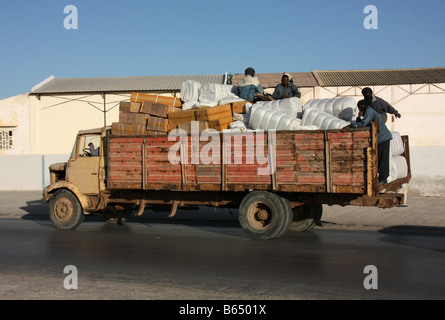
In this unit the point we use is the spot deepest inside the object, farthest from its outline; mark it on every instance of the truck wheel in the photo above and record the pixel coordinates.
(65, 210)
(288, 216)
(306, 216)
(264, 215)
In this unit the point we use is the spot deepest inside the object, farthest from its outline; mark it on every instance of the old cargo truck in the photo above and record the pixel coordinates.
(275, 179)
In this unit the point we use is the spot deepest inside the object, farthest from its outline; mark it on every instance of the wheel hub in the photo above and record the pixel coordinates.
(259, 215)
(64, 209)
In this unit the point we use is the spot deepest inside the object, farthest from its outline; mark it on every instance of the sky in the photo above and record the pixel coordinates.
(207, 37)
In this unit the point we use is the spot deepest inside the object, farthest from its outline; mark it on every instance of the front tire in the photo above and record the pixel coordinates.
(264, 215)
(65, 210)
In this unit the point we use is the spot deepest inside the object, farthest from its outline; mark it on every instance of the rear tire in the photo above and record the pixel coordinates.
(65, 211)
(264, 215)
(306, 216)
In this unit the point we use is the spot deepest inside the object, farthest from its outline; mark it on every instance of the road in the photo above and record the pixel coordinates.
(151, 259)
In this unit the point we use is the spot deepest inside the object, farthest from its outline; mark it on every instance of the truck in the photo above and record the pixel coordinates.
(278, 180)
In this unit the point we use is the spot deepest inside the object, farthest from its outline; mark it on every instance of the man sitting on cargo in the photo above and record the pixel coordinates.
(378, 104)
(286, 89)
(383, 138)
(249, 86)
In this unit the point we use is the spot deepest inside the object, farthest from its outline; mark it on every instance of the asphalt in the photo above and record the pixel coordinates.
(418, 212)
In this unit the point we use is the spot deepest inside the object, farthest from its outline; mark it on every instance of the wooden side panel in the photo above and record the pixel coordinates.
(295, 161)
(125, 163)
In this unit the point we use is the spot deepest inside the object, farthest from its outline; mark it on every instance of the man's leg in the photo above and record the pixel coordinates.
(384, 161)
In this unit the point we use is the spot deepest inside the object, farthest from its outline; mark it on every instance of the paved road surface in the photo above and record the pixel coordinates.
(200, 255)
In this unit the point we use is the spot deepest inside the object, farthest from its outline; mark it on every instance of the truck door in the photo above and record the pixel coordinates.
(83, 166)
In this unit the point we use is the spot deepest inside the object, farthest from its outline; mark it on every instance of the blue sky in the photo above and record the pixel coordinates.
(194, 37)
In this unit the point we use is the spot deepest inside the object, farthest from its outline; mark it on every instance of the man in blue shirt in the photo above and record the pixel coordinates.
(383, 138)
(249, 86)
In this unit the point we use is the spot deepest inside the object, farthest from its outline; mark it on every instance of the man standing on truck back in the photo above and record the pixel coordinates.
(378, 104)
(383, 139)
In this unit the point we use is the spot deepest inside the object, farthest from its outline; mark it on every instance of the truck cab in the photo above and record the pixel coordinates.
(75, 186)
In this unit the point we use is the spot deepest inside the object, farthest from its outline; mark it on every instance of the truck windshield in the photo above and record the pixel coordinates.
(89, 146)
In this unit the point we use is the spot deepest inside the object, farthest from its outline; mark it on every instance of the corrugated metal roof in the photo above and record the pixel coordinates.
(379, 77)
(270, 80)
(121, 84)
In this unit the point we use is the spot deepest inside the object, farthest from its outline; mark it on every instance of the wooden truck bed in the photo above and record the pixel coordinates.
(332, 162)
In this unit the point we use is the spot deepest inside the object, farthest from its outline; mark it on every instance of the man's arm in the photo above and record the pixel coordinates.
(368, 117)
(385, 106)
(295, 91)
(277, 92)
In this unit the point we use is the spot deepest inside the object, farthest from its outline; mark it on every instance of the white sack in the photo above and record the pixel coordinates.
(396, 144)
(206, 103)
(268, 119)
(229, 99)
(214, 92)
(189, 105)
(344, 108)
(289, 106)
(239, 125)
(190, 90)
(398, 168)
(323, 120)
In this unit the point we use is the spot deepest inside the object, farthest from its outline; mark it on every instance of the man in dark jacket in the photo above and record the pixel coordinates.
(378, 104)
(286, 89)
(383, 139)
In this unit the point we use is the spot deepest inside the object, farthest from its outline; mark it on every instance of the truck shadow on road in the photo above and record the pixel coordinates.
(422, 237)
(35, 210)
(224, 220)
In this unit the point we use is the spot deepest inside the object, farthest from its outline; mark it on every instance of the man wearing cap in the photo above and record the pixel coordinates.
(378, 104)
(249, 85)
(286, 89)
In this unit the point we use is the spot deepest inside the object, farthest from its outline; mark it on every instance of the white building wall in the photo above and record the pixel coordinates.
(27, 172)
(14, 125)
(59, 118)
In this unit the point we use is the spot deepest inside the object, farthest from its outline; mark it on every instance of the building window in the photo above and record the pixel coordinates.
(6, 139)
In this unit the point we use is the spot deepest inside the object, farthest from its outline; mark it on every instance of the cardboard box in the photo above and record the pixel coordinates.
(155, 109)
(214, 113)
(171, 109)
(141, 97)
(182, 116)
(120, 129)
(138, 130)
(220, 124)
(196, 126)
(157, 124)
(133, 118)
(239, 107)
(130, 107)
